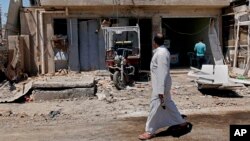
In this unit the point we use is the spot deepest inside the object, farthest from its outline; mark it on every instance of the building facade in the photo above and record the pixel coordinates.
(183, 22)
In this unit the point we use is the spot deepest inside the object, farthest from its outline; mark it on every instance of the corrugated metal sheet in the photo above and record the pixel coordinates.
(84, 50)
(93, 45)
(92, 51)
(73, 45)
(101, 46)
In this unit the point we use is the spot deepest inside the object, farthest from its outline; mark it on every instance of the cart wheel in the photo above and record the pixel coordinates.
(111, 77)
(119, 84)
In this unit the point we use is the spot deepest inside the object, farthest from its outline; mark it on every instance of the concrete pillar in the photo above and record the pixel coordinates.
(29, 27)
(12, 26)
(156, 21)
(49, 52)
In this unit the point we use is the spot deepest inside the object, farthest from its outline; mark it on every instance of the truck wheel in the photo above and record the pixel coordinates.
(119, 84)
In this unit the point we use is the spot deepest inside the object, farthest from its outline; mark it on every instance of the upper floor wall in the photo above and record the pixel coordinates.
(77, 3)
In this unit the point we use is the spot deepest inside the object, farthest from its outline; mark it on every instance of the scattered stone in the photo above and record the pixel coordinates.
(111, 100)
(6, 113)
(23, 115)
(220, 103)
(101, 96)
(35, 115)
(209, 96)
(53, 114)
(177, 87)
(91, 98)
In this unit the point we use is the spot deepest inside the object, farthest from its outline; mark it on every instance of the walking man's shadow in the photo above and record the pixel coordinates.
(175, 131)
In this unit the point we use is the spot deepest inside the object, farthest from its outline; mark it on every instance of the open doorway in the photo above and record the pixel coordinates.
(146, 40)
(59, 44)
(181, 35)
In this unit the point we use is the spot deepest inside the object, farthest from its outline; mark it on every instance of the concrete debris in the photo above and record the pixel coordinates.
(53, 114)
(101, 96)
(21, 89)
(61, 72)
(213, 76)
(77, 81)
(23, 115)
(5, 113)
(72, 86)
(66, 93)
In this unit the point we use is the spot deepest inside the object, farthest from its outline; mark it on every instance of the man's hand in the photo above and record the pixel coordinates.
(161, 97)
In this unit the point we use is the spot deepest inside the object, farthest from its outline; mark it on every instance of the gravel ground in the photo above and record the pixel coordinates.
(121, 115)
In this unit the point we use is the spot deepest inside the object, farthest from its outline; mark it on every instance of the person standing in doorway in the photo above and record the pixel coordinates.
(163, 111)
(200, 49)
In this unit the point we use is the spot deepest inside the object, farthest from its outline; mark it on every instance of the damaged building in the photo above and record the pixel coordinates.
(236, 36)
(67, 34)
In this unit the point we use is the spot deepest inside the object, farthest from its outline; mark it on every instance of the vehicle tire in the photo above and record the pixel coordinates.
(119, 84)
(111, 77)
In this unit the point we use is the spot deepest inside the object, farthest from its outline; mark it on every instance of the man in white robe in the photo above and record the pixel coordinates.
(163, 111)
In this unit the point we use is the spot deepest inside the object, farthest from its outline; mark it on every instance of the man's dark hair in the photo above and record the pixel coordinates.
(159, 39)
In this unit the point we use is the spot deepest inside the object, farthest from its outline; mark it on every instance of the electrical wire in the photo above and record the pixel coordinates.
(189, 34)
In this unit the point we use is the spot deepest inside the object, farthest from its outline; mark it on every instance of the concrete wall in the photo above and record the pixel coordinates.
(49, 52)
(212, 3)
(29, 27)
(12, 25)
(30, 23)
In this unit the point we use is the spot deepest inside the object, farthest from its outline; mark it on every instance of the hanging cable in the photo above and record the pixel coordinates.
(182, 33)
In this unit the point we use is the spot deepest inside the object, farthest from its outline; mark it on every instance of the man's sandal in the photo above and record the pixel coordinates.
(146, 136)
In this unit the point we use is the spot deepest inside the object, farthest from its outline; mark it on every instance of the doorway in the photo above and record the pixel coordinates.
(182, 34)
(59, 44)
(146, 40)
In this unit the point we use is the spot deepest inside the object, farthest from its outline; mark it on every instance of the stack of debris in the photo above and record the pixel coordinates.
(3, 61)
(214, 76)
(48, 88)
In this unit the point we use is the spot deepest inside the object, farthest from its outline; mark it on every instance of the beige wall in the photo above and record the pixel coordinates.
(29, 22)
(209, 3)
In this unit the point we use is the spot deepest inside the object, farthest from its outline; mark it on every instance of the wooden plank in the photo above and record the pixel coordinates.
(236, 45)
(248, 53)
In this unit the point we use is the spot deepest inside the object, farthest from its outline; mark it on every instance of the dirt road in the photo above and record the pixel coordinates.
(205, 127)
(121, 115)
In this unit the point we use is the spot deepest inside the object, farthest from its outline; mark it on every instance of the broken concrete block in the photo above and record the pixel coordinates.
(221, 74)
(207, 69)
(101, 96)
(43, 95)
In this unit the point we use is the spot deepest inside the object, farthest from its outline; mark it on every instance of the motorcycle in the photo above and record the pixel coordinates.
(122, 56)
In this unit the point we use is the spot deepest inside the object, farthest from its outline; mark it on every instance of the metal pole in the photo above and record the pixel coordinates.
(236, 44)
